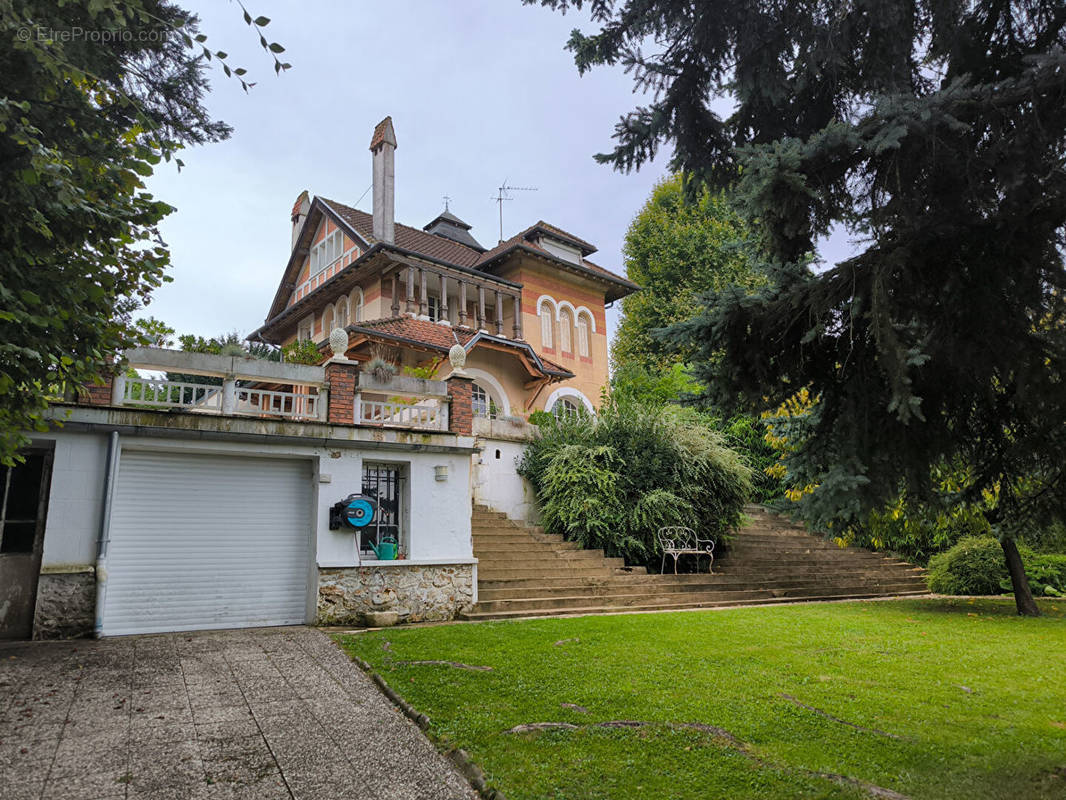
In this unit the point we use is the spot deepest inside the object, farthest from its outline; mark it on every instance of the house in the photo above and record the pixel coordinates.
(218, 495)
(530, 312)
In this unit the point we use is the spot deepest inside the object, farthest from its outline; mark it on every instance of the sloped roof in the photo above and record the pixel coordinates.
(407, 237)
(525, 240)
(440, 337)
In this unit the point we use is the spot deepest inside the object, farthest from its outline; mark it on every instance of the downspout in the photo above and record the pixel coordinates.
(105, 531)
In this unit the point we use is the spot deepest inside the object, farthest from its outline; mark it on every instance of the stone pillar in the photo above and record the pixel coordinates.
(423, 303)
(444, 297)
(499, 314)
(410, 290)
(462, 302)
(481, 308)
(342, 377)
(461, 413)
(395, 296)
(518, 316)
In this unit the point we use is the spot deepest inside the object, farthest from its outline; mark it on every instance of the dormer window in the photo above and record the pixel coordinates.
(327, 251)
(562, 251)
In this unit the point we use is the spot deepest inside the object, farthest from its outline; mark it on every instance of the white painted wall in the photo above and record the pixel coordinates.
(75, 499)
(438, 511)
(498, 485)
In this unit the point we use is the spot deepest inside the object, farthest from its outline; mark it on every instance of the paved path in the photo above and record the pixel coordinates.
(268, 713)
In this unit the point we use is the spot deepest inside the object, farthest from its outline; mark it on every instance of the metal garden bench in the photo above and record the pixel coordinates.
(677, 541)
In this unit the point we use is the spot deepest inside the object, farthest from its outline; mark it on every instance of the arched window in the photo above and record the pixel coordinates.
(567, 407)
(340, 313)
(327, 321)
(582, 329)
(482, 402)
(545, 314)
(355, 306)
(566, 324)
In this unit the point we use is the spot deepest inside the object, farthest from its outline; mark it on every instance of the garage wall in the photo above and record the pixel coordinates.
(75, 499)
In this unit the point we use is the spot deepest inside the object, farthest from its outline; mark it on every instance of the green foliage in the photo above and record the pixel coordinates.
(612, 480)
(932, 133)
(747, 435)
(676, 248)
(636, 382)
(541, 418)
(301, 352)
(975, 566)
(1046, 574)
(83, 122)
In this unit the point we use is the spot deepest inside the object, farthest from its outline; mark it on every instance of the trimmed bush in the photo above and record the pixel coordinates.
(612, 480)
(975, 565)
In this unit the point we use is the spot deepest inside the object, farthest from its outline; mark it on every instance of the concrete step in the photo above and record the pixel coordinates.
(607, 591)
(477, 615)
(644, 599)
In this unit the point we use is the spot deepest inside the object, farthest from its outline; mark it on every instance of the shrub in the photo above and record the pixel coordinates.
(975, 565)
(1046, 574)
(612, 480)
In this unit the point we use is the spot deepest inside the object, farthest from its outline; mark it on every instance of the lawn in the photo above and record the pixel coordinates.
(919, 698)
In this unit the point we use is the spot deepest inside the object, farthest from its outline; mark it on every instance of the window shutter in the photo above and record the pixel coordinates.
(564, 332)
(582, 337)
(545, 327)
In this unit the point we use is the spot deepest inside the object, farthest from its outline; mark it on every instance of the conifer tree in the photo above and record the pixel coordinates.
(934, 133)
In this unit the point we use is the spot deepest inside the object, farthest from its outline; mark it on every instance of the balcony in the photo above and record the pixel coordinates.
(198, 383)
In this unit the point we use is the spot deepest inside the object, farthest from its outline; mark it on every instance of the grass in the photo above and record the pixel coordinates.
(928, 698)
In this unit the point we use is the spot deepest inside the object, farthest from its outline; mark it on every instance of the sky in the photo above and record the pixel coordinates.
(479, 92)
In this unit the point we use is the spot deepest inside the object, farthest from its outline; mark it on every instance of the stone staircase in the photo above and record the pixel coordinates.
(524, 572)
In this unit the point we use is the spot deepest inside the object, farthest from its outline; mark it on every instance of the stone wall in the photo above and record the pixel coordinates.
(66, 605)
(413, 593)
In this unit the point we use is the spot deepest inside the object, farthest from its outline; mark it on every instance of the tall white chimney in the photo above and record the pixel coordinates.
(383, 148)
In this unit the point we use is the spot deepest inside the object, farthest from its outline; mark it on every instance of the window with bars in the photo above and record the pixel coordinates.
(385, 483)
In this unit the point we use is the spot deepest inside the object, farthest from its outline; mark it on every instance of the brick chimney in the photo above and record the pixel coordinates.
(299, 213)
(383, 148)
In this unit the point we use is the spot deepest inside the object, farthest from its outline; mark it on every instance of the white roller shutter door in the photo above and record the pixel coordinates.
(207, 541)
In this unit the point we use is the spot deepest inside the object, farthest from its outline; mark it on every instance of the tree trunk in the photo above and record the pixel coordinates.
(1023, 595)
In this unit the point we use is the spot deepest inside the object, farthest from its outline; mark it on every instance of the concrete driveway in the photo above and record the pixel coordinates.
(266, 713)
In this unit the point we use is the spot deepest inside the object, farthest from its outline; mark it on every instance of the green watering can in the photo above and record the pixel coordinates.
(386, 549)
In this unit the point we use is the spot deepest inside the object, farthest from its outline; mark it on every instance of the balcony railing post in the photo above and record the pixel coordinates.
(358, 412)
(229, 395)
(322, 403)
(118, 388)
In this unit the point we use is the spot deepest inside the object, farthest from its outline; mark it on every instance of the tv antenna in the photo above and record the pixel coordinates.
(501, 195)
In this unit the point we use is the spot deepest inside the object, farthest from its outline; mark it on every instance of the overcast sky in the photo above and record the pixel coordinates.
(479, 91)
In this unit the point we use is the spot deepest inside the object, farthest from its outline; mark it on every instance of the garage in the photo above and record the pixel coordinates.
(201, 541)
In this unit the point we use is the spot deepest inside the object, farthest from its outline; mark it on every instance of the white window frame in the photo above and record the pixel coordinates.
(433, 308)
(355, 306)
(326, 252)
(305, 330)
(341, 304)
(566, 406)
